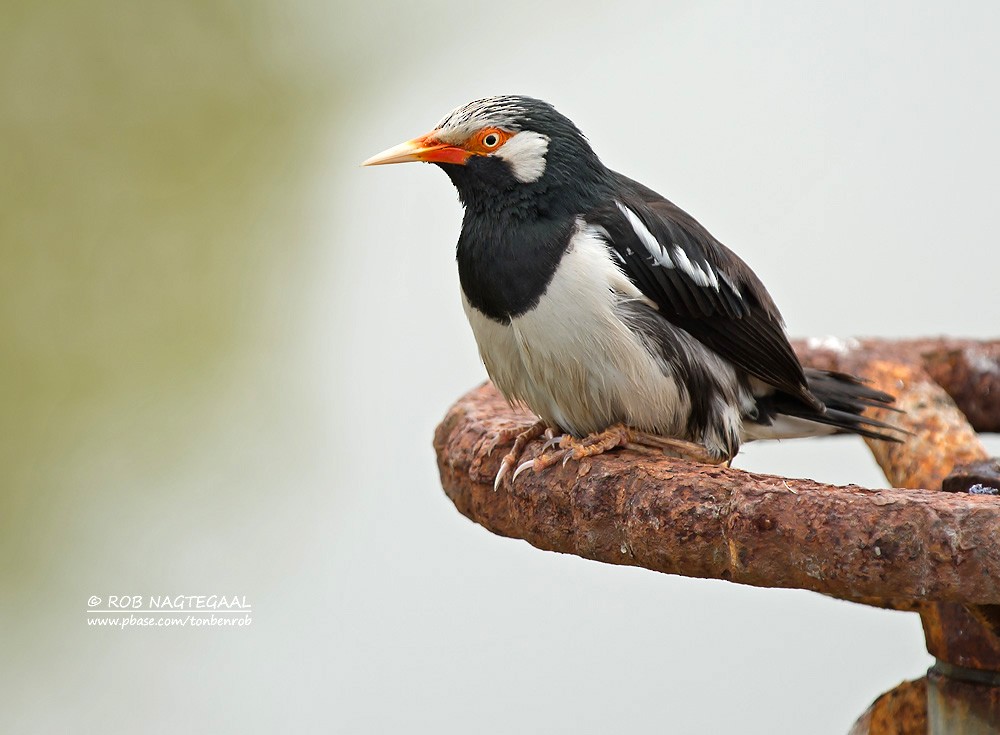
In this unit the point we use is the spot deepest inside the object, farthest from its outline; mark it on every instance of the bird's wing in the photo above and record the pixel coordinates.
(699, 285)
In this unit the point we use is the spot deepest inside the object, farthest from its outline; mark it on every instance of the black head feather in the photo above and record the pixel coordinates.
(572, 175)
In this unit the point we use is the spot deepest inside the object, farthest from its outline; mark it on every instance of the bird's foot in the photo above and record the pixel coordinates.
(572, 448)
(521, 437)
(681, 449)
(619, 435)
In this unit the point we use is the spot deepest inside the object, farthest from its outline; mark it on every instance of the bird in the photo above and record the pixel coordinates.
(611, 313)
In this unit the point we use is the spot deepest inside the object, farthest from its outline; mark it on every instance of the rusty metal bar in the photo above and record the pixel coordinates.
(893, 546)
(942, 450)
(911, 547)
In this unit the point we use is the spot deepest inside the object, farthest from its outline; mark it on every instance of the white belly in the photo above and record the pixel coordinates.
(573, 361)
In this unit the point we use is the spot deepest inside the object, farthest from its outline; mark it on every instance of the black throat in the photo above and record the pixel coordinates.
(514, 234)
(505, 263)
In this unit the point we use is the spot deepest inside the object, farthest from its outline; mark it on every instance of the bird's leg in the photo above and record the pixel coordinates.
(619, 435)
(521, 439)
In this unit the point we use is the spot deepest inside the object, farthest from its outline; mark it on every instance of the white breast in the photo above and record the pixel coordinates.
(572, 360)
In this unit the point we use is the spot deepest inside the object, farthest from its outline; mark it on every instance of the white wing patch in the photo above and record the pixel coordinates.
(732, 285)
(702, 276)
(657, 251)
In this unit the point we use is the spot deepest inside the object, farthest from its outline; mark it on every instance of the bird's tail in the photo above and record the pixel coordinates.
(845, 398)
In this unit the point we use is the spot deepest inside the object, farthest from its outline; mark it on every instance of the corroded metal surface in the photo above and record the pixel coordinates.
(911, 547)
(941, 450)
(900, 711)
(700, 521)
(957, 705)
(958, 634)
(940, 438)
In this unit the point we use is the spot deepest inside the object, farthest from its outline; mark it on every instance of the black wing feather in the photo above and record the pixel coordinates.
(732, 313)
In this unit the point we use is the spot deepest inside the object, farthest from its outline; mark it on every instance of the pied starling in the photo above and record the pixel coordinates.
(609, 311)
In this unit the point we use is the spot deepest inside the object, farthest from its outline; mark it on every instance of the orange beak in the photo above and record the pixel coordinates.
(427, 148)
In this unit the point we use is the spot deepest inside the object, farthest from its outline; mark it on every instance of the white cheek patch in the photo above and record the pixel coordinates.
(525, 154)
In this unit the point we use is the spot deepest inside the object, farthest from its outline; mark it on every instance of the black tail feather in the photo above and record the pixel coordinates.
(846, 398)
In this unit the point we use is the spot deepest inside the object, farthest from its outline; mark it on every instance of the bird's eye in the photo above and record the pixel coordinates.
(485, 141)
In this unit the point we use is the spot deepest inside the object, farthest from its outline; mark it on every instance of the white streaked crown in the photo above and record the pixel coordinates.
(524, 152)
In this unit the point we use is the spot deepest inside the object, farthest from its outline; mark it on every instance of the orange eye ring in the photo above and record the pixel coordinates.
(487, 140)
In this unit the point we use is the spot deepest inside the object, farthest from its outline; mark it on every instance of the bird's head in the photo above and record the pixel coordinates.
(504, 149)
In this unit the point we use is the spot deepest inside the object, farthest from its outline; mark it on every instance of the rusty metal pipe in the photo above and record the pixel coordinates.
(910, 547)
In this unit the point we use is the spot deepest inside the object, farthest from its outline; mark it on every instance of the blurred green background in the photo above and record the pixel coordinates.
(225, 347)
(155, 158)
(159, 247)
(156, 164)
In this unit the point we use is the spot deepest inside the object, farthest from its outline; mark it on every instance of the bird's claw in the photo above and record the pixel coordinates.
(521, 440)
(502, 472)
(551, 440)
(521, 468)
